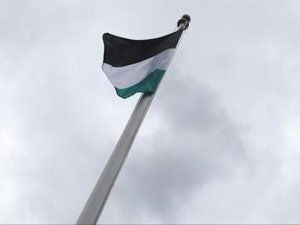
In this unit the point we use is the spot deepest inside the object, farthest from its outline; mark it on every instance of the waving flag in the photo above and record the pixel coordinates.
(137, 65)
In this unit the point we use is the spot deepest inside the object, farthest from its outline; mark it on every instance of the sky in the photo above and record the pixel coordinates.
(220, 142)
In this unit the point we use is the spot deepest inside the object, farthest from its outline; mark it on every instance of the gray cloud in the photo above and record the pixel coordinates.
(192, 146)
(219, 144)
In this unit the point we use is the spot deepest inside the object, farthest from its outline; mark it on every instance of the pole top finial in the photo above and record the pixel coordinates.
(187, 17)
(184, 21)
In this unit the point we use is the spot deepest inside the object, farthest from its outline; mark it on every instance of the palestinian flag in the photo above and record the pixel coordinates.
(137, 65)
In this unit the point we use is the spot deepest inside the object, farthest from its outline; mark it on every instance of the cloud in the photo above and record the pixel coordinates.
(196, 143)
(219, 143)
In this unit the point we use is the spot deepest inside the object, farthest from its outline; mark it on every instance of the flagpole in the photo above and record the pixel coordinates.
(100, 193)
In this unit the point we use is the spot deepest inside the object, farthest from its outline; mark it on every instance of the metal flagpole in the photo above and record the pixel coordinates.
(99, 195)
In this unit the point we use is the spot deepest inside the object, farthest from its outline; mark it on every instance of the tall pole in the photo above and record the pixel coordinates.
(100, 193)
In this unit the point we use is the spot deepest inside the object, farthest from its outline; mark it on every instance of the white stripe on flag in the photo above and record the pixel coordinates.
(127, 76)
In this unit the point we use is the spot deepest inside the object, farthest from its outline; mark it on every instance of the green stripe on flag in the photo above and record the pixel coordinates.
(148, 85)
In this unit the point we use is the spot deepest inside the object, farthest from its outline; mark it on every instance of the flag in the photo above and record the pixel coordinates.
(137, 65)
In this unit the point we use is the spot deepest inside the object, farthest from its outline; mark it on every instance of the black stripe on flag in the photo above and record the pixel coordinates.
(120, 51)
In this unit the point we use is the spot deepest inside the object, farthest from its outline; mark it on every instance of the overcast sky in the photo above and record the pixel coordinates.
(220, 143)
